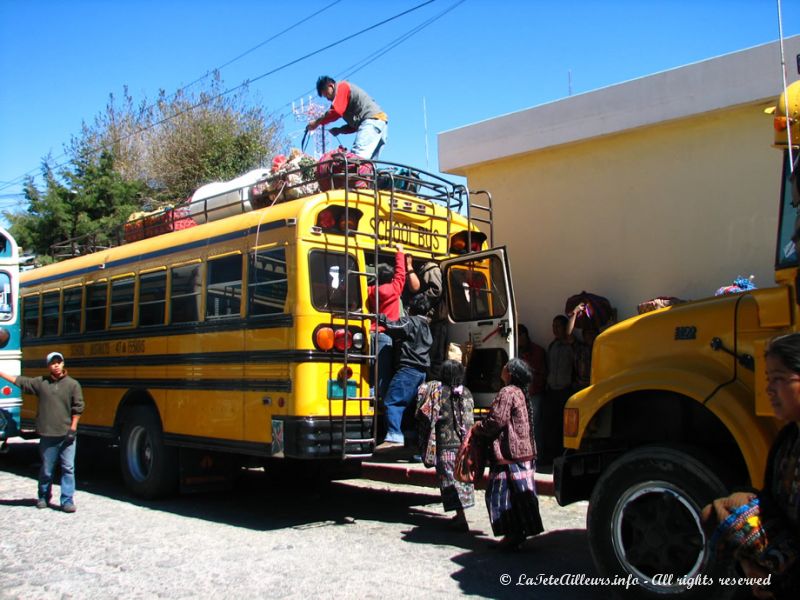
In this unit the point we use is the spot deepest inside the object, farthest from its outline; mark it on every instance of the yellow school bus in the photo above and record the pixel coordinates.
(677, 415)
(241, 329)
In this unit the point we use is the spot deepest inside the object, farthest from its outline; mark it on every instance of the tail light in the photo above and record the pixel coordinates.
(332, 337)
(464, 242)
(358, 340)
(335, 219)
(344, 374)
(326, 219)
(350, 223)
(342, 340)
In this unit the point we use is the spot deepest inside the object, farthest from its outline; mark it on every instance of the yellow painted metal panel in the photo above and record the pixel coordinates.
(213, 414)
(774, 307)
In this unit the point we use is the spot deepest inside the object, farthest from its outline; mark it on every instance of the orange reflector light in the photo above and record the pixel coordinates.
(345, 374)
(324, 338)
(780, 123)
(571, 421)
(457, 245)
(6, 390)
(351, 223)
(281, 402)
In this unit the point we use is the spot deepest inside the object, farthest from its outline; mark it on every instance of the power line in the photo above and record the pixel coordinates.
(356, 67)
(257, 46)
(399, 40)
(20, 178)
(233, 89)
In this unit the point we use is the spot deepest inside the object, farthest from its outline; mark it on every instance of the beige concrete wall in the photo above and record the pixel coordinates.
(675, 209)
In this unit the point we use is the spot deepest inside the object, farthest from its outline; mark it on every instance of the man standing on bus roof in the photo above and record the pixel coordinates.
(60, 408)
(361, 113)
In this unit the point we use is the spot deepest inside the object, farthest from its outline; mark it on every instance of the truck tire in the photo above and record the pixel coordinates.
(644, 522)
(149, 467)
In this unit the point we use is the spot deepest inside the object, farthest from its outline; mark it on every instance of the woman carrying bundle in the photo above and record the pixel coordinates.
(511, 491)
(444, 410)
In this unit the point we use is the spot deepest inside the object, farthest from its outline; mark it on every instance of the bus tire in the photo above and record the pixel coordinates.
(149, 466)
(644, 521)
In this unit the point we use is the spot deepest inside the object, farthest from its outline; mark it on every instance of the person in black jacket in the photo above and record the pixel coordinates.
(412, 336)
(60, 408)
(428, 281)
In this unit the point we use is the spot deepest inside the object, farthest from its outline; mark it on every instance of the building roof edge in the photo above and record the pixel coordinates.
(723, 82)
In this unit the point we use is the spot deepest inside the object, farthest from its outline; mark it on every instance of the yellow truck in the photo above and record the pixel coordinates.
(677, 414)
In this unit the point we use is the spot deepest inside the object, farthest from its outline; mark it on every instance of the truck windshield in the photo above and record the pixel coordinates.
(786, 255)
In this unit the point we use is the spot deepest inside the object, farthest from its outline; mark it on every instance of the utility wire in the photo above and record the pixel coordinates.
(20, 178)
(256, 47)
(235, 88)
(397, 41)
(356, 67)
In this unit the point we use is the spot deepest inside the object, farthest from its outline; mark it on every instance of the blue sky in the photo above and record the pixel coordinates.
(60, 60)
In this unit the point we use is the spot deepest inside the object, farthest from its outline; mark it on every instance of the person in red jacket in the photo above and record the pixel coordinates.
(390, 286)
(361, 113)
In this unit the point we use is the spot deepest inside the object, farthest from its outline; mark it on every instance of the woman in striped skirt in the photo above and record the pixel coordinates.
(511, 491)
(444, 410)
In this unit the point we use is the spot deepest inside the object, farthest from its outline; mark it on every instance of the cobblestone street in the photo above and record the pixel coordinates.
(355, 539)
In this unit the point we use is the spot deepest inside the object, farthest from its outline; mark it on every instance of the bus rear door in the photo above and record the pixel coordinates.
(481, 317)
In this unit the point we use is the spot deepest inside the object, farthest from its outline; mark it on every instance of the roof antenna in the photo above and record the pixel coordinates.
(785, 97)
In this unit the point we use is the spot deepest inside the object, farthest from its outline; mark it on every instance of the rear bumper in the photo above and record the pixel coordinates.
(318, 437)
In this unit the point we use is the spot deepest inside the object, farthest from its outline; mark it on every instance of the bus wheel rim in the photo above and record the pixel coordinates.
(139, 453)
(632, 521)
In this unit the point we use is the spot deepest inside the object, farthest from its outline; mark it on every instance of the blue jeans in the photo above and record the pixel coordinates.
(52, 449)
(370, 138)
(402, 391)
(383, 352)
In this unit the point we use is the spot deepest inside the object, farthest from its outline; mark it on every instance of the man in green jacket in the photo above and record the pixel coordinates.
(60, 408)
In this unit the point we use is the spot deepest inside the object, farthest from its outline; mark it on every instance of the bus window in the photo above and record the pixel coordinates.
(6, 307)
(478, 290)
(122, 301)
(327, 281)
(224, 287)
(152, 298)
(185, 307)
(50, 302)
(96, 307)
(30, 317)
(71, 313)
(267, 283)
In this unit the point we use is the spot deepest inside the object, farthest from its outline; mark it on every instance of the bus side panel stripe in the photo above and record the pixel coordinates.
(153, 360)
(247, 385)
(163, 252)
